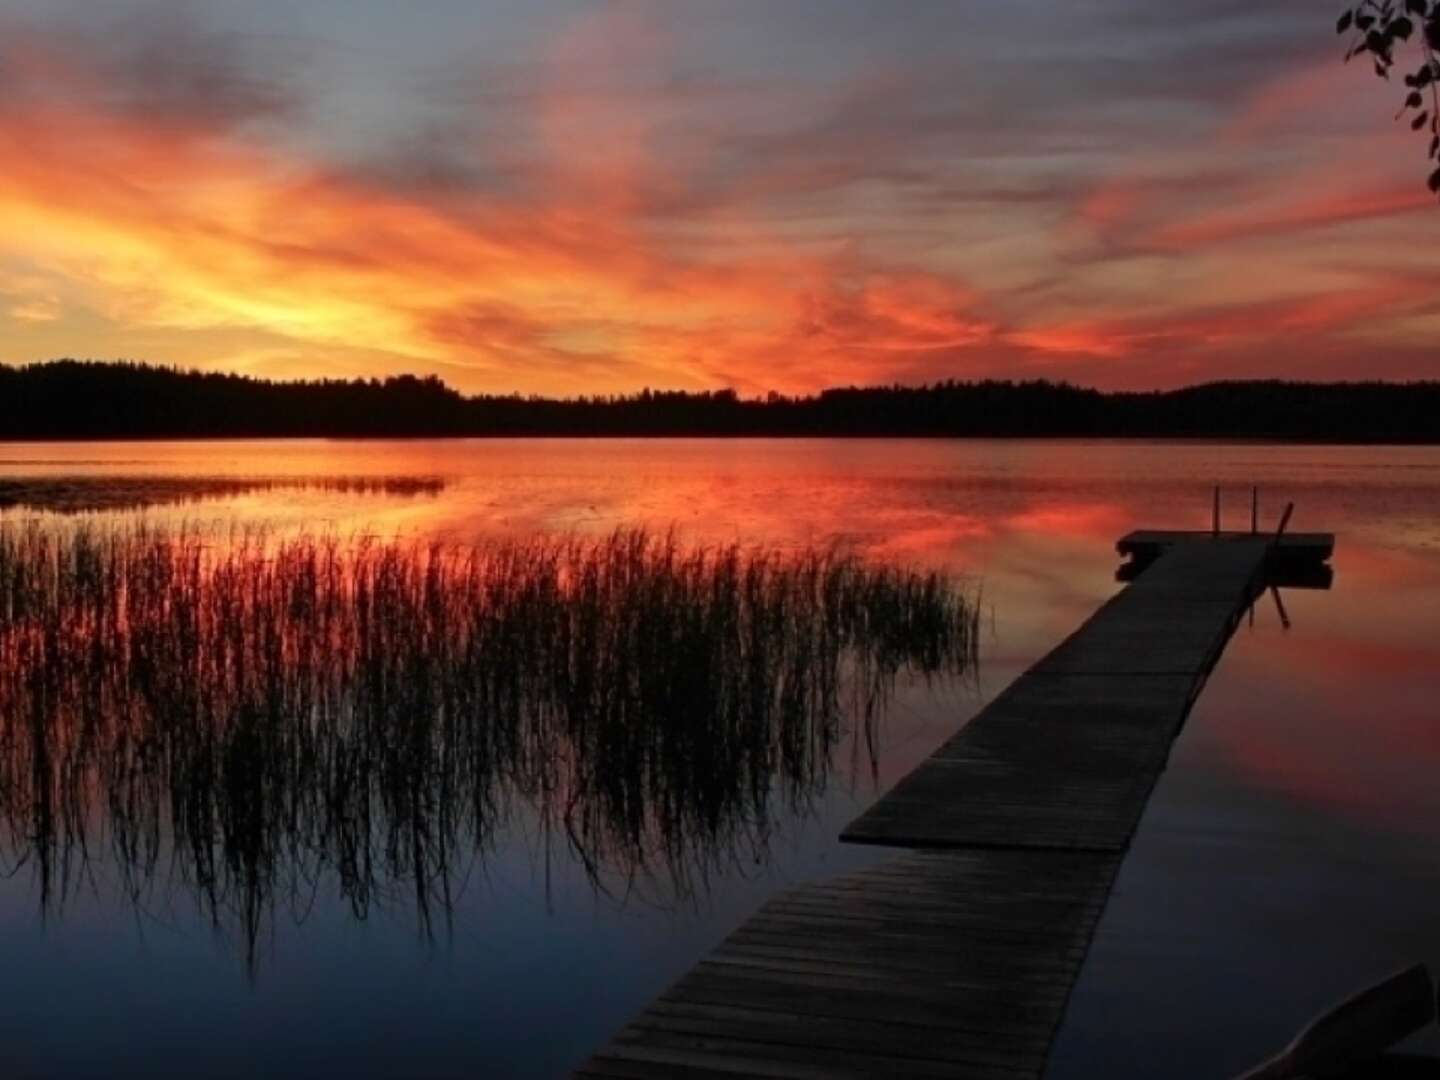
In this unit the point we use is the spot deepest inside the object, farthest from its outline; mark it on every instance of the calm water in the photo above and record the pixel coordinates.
(1288, 856)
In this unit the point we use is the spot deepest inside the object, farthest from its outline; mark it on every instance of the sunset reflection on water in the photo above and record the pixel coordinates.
(1306, 772)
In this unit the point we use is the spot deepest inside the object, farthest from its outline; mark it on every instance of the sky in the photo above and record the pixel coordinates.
(580, 196)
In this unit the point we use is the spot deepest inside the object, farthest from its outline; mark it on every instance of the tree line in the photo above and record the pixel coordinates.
(69, 399)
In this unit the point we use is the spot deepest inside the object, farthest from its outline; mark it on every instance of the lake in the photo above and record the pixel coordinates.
(1287, 858)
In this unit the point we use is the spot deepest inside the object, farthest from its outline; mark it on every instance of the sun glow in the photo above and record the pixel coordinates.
(593, 251)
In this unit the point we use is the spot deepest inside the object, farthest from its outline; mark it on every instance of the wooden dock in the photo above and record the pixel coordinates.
(1147, 544)
(957, 960)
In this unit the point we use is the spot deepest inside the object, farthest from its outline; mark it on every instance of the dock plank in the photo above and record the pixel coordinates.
(967, 977)
(957, 958)
(1077, 771)
(1314, 546)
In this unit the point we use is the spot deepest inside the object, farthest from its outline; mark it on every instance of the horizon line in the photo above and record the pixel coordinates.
(759, 398)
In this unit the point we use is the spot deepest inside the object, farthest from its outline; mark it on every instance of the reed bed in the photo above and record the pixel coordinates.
(97, 494)
(261, 717)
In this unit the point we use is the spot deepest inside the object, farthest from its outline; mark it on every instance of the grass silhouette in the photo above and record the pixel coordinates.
(97, 494)
(254, 716)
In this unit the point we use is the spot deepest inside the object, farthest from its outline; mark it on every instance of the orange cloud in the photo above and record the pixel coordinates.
(1291, 319)
(1087, 338)
(1184, 204)
(179, 228)
(1286, 213)
(169, 216)
(903, 313)
(1288, 99)
(1110, 203)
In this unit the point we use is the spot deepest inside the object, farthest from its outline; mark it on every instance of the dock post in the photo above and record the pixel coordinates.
(1284, 521)
(1254, 510)
(1215, 513)
(1280, 607)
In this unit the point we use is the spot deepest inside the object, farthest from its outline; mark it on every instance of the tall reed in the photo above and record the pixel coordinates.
(255, 715)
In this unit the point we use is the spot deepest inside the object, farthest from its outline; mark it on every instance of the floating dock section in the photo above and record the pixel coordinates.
(957, 959)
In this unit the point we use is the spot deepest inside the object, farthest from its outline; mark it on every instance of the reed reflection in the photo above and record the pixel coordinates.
(256, 718)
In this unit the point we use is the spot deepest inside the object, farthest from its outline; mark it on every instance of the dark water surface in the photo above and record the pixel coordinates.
(1288, 856)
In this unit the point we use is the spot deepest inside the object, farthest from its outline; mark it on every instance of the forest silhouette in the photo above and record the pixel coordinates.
(69, 399)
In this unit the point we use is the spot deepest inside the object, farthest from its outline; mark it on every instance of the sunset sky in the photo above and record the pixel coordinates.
(575, 196)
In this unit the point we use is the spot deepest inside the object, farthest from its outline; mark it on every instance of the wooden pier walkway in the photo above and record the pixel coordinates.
(957, 960)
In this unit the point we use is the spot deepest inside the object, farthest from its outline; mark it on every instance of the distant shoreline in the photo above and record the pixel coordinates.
(1159, 440)
(75, 401)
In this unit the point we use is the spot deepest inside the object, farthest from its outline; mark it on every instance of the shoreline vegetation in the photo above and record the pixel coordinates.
(104, 494)
(78, 400)
(247, 720)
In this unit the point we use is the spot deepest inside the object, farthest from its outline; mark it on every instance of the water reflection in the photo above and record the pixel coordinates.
(258, 718)
(1301, 862)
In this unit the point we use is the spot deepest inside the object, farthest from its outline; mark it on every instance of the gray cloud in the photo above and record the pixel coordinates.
(158, 66)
